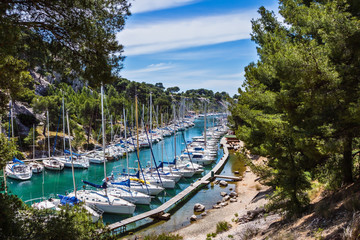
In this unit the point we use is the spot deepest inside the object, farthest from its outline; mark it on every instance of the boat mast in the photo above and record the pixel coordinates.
(71, 155)
(103, 129)
(34, 142)
(48, 132)
(63, 115)
(151, 159)
(205, 125)
(174, 135)
(12, 119)
(127, 157)
(137, 131)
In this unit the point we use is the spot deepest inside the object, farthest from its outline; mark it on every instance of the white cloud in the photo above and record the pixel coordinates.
(151, 68)
(139, 6)
(184, 33)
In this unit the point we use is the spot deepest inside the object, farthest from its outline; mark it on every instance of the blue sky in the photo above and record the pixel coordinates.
(190, 43)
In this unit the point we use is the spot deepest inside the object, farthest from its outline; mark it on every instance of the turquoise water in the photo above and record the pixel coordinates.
(51, 183)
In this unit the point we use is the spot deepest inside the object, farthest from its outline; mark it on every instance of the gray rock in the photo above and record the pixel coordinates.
(199, 207)
(203, 214)
(216, 206)
(223, 204)
(226, 198)
(230, 189)
(233, 194)
(233, 200)
(223, 183)
(223, 194)
(193, 218)
(236, 172)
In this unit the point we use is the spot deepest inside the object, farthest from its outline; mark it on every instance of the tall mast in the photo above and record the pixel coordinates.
(33, 141)
(127, 158)
(71, 155)
(63, 115)
(103, 127)
(205, 125)
(12, 119)
(111, 124)
(151, 159)
(48, 131)
(174, 136)
(137, 131)
(162, 143)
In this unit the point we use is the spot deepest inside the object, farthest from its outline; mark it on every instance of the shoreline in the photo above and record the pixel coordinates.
(247, 189)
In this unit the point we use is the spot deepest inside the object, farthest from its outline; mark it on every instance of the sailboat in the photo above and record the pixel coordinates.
(17, 169)
(133, 181)
(101, 198)
(35, 166)
(52, 163)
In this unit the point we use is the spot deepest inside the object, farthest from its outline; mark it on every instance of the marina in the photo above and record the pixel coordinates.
(44, 186)
(121, 226)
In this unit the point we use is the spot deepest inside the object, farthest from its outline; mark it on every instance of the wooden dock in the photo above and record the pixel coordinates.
(228, 177)
(120, 227)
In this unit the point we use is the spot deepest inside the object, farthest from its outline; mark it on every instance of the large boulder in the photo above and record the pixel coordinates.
(199, 207)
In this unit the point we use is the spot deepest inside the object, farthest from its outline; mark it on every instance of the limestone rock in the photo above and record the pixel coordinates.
(223, 194)
(203, 214)
(193, 218)
(199, 207)
(233, 194)
(223, 204)
(216, 207)
(236, 172)
(233, 200)
(223, 183)
(226, 198)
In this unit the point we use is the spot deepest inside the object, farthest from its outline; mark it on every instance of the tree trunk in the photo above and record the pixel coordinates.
(347, 163)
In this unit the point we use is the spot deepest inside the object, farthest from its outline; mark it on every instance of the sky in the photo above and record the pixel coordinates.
(190, 43)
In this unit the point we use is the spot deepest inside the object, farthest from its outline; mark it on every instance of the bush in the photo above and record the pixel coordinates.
(222, 226)
(163, 236)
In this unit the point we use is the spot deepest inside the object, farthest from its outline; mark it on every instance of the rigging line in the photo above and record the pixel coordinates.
(157, 170)
(57, 129)
(138, 157)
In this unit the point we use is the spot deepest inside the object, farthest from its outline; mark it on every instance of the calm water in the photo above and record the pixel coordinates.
(51, 183)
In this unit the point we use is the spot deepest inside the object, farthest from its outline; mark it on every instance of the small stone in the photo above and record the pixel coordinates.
(223, 183)
(218, 202)
(203, 214)
(193, 218)
(233, 194)
(223, 204)
(226, 198)
(230, 189)
(199, 207)
(236, 172)
(223, 194)
(233, 200)
(216, 207)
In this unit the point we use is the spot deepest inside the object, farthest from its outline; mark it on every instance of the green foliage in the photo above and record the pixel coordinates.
(163, 236)
(222, 226)
(300, 103)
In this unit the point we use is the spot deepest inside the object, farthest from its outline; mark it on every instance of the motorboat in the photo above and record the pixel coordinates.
(53, 164)
(18, 170)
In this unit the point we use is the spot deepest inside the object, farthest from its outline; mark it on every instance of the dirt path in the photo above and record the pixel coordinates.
(247, 190)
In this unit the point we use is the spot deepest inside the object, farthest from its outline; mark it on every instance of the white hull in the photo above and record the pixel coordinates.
(53, 165)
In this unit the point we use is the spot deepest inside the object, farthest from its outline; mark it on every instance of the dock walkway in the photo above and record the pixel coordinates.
(120, 227)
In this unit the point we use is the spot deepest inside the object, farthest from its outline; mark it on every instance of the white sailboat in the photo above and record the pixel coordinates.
(101, 198)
